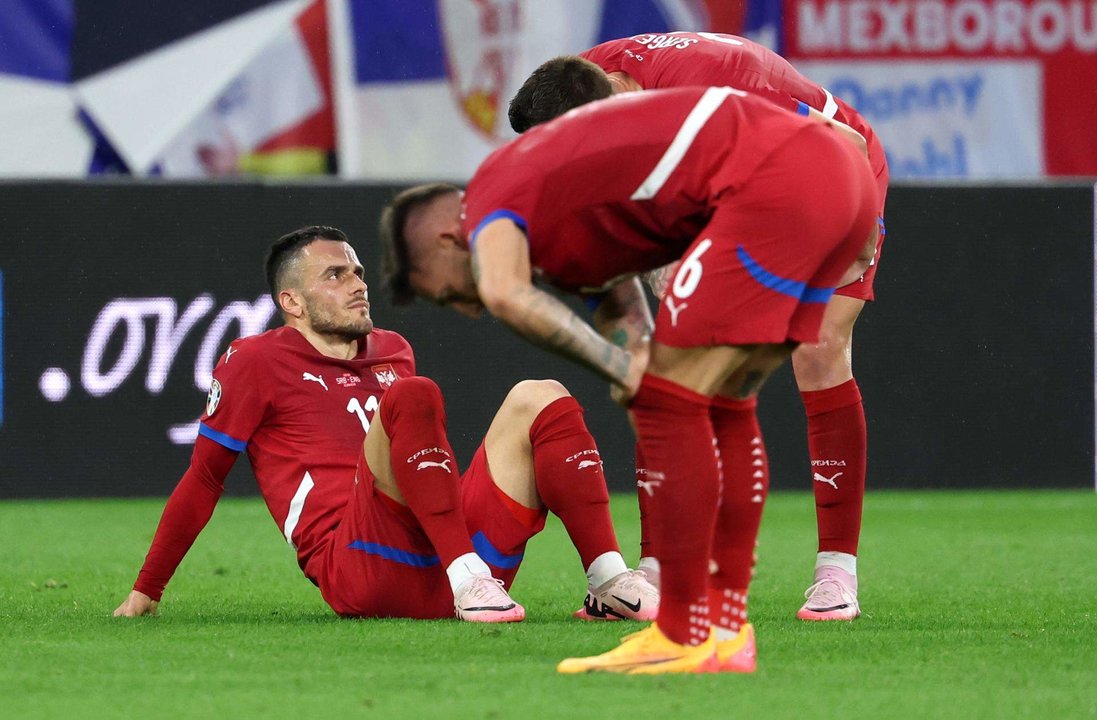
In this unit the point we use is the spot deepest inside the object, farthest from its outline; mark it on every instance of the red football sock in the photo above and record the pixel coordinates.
(423, 464)
(745, 485)
(837, 443)
(679, 449)
(728, 607)
(644, 492)
(570, 481)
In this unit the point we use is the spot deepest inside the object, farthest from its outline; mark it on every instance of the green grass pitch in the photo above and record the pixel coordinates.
(977, 605)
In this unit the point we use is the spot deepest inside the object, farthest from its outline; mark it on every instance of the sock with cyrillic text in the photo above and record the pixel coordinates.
(679, 450)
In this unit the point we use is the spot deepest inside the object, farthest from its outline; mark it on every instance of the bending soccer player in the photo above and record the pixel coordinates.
(837, 441)
(349, 449)
(767, 210)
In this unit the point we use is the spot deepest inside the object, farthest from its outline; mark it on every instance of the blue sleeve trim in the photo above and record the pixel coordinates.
(802, 108)
(222, 439)
(497, 215)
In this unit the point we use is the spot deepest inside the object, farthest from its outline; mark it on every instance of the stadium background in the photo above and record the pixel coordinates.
(148, 155)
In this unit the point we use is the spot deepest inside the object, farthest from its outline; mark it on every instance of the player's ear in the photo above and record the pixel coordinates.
(291, 303)
(451, 240)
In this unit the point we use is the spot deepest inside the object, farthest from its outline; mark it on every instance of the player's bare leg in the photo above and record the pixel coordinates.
(541, 455)
(413, 464)
(837, 445)
(671, 412)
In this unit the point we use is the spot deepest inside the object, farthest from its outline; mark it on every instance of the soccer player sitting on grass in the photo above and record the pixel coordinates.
(349, 449)
(768, 212)
(837, 440)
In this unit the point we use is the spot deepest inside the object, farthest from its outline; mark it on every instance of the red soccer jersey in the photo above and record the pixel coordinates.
(302, 416)
(658, 61)
(623, 185)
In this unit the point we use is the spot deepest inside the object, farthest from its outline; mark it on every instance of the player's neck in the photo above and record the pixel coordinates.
(623, 82)
(328, 344)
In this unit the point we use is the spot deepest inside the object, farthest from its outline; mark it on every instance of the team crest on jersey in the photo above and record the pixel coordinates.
(213, 399)
(481, 39)
(348, 380)
(385, 375)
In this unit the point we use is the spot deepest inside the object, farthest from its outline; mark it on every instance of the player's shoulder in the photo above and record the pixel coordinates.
(387, 342)
(608, 52)
(255, 348)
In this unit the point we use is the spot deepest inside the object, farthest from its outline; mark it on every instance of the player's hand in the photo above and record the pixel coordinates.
(136, 604)
(659, 279)
(638, 365)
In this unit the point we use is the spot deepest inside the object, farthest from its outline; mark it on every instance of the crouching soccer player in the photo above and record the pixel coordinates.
(837, 435)
(349, 449)
(768, 212)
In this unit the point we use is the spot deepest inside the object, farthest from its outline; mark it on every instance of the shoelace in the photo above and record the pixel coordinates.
(633, 582)
(820, 587)
(488, 590)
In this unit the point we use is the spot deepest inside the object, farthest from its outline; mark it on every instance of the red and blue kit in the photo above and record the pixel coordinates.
(302, 417)
(766, 208)
(667, 60)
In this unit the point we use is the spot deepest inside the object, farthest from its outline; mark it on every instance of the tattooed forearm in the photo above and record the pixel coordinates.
(624, 317)
(549, 323)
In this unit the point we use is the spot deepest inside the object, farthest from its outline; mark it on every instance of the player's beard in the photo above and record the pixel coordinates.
(327, 323)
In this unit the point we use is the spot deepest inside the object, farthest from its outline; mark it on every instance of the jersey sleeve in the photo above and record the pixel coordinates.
(188, 510)
(236, 404)
(488, 199)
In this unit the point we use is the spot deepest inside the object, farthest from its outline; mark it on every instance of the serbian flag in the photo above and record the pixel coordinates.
(423, 85)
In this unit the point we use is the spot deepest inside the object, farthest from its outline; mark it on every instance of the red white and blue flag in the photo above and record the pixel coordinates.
(423, 85)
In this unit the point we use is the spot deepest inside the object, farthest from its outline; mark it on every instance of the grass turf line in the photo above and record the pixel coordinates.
(977, 604)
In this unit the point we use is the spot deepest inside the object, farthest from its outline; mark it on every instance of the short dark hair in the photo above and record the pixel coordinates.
(395, 266)
(557, 86)
(287, 248)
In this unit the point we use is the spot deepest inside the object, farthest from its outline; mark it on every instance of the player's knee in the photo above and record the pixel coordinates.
(530, 397)
(815, 365)
(411, 397)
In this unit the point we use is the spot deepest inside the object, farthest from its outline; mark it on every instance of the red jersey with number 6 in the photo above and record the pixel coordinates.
(666, 60)
(623, 185)
(302, 417)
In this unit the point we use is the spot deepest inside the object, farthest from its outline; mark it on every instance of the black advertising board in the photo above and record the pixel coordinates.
(976, 362)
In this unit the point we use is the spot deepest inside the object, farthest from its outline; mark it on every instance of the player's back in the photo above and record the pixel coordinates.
(302, 416)
(623, 185)
(667, 60)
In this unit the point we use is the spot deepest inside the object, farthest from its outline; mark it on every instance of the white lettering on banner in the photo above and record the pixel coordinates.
(128, 315)
(253, 318)
(959, 118)
(932, 26)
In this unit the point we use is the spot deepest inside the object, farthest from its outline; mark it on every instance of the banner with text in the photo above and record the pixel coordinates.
(960, 88)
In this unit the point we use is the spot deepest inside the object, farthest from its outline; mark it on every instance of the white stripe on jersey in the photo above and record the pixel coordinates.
(831, 107)
(296, 505)
(698, 116)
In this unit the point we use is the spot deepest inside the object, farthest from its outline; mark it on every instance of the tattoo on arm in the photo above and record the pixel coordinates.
(624, 316)
(549, 323)
(751, 383)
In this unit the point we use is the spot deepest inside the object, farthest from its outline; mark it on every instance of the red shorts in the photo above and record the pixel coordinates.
(380, 563)
(766, 264)
(862, 288)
